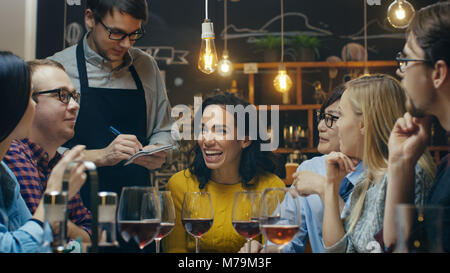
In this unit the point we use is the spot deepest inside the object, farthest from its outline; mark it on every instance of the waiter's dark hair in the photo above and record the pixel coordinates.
(136, 8)
(254, 162)
(15, 88)
(431, 28)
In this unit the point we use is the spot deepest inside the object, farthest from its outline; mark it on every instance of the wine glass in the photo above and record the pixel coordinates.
(167, 216)
(197, 214)
(139, 215)
(245, 214)
(277, 224)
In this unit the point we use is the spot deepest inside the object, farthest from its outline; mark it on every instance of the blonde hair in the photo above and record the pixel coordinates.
(380, 101)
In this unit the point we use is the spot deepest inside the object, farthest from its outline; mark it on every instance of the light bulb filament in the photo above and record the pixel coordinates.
(282, 81)
(225, 67)
(400, 13)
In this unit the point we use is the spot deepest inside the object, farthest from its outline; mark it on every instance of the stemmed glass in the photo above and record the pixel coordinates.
(167, 216)
(245, 214)
(278, 224)
(139, 215)
(197, 214)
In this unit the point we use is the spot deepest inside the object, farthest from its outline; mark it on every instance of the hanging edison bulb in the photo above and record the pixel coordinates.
(282, 81)
(225, 65)
(400, 13)
(207, 60)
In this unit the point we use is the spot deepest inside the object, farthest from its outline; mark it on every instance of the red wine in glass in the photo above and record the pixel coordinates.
(197, 214)
(197, 227)
(165, 229)
(143, 231)
(247, 229)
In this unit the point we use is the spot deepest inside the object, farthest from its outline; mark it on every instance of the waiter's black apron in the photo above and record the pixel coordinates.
(125, 110)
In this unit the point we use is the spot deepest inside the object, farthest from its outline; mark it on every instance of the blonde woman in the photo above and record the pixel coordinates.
(368, 110)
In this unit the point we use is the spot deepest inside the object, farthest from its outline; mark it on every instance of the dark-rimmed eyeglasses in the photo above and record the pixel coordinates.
(402, 62)
(64, 95)
(119, 35)
(329, 118)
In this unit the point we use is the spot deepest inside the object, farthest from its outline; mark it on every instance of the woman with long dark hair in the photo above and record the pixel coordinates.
(19, 230)
(223, 164)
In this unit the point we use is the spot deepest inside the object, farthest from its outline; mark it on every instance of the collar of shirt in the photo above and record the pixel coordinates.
(97, 60)
(353, 176)
(40, 156)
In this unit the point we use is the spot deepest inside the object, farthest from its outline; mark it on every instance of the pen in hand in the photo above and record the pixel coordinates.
(116, 132)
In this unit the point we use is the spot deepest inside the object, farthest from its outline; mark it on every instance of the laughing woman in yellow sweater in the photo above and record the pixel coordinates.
(223, 165)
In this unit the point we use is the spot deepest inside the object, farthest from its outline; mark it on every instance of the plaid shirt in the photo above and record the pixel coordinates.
(32, 167)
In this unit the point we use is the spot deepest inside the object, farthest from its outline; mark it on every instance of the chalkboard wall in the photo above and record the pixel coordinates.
(175, 27)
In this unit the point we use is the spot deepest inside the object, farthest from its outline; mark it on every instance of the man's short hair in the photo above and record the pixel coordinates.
(136, 8)
(431, 28)
(35, 64)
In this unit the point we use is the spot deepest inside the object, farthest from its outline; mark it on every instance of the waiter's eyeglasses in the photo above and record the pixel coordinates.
(119, 35)
(64, 95)
(329, 118)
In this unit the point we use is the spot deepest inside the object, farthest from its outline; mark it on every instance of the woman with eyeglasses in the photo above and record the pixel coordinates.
(368, 109)
(309, 181)
(20, 231)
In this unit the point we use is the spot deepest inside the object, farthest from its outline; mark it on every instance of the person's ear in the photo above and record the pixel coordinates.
(89, 19)
(246, 142)
(362, 129)
(440, 74)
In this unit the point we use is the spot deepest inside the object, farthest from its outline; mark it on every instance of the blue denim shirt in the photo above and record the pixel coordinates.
(18, 233)
(311, 209)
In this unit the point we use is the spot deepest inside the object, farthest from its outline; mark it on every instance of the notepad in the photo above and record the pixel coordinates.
(150, 151)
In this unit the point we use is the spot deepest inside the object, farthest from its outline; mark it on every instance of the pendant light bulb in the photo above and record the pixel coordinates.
(207, 60)
(225, 65)
(400, 13)
(282, 81)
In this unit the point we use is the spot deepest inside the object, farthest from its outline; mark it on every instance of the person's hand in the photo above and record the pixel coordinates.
(255, 247)
(151, 162)
(77, 174)
(307, 182)
(121, 148)
(408, 139)
(338, 165)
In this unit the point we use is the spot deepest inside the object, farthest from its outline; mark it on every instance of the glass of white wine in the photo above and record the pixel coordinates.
(277, 224)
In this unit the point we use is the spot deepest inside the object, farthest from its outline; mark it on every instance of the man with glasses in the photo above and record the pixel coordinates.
(121, 86)
(424, 70)
(309, 180)
(33, 159)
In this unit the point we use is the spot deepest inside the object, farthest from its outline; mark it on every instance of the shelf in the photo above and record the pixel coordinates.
(291, 150)
(321, 64)
(288, 107)
(439, 148)
(298, 103)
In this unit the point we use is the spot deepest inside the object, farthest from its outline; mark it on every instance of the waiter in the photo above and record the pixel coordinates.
(120, 86)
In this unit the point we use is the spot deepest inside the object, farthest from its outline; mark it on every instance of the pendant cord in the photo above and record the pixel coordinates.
(282, 31)
(65, 24)
(225, 23)
(366, 53)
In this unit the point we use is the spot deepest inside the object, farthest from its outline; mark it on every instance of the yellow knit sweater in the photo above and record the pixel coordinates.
(221, 237)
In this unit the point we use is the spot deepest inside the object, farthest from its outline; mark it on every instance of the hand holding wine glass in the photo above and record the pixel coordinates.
(167, 216)
(277, 224)
(197, 214)
(139, 215)
(245, 215)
